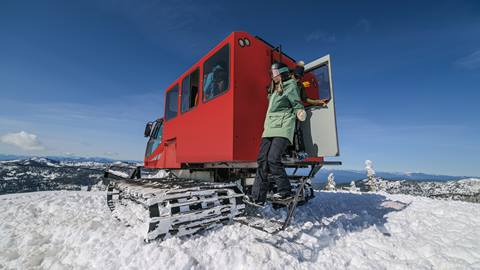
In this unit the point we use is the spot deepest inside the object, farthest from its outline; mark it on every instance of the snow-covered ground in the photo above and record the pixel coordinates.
(336, 230)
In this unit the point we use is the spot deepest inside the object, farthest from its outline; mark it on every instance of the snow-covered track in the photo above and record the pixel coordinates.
(177, 207)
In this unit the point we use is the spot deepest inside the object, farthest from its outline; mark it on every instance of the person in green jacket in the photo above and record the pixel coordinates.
(284, 106)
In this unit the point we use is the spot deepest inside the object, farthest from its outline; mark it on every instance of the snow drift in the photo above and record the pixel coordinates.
(74, 230)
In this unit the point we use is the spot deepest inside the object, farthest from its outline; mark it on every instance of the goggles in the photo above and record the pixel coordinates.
(276, 72)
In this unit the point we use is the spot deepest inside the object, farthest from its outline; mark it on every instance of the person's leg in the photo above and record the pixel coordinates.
(295, 137)
(260, 186)
(275, 164)
(299, 133)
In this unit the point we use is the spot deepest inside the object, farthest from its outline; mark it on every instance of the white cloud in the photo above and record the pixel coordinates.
(320, 35)
(471, 61)
(23, 140)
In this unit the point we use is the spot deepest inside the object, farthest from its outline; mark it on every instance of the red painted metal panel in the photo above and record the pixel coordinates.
(170, 160)
(250, 105)
(252, 75)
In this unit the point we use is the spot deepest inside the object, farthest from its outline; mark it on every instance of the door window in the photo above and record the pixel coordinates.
(190, 91)
(322, 76)
(171, 105)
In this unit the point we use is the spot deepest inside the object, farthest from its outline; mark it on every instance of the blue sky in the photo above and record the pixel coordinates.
(82, 78)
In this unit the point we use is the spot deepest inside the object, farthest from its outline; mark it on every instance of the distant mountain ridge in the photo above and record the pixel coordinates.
(40, 174)
(346, 176)
(341, 176)
(66, 158)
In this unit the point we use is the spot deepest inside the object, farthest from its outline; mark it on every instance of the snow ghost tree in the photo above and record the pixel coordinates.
(371, 175)
(353, 187)
(369, 168)
(330, 183)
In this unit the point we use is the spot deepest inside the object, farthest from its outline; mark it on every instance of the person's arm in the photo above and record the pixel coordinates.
(303, 93)
(321, 102)
(294, 99)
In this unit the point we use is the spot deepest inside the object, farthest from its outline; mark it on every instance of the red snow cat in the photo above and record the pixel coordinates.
(200, 159)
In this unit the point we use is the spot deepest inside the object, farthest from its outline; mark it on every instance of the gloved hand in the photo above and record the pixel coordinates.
(320, 102)
(301, 115)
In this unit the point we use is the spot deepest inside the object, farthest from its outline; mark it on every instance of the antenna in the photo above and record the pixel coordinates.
(280, 52)
(272, 57)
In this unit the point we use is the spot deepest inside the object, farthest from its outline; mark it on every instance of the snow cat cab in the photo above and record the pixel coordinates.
(207, 142)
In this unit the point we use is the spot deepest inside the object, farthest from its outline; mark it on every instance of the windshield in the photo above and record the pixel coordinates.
(155, 138)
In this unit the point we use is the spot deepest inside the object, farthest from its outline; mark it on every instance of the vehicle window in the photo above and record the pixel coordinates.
(323, 81)
(155, 139)
(157, 132)
(171, 105)
(190, 90)
(216, 73)
(153, 135)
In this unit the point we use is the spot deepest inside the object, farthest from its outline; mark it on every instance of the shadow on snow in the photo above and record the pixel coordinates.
(329, 217)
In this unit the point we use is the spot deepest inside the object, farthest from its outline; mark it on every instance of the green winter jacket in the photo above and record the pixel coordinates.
(281, 113)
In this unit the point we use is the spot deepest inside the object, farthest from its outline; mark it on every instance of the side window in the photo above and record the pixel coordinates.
(216, 75)
(155, 138)
(171, 105)
(323, 80)
(157, 132)
(190, 90)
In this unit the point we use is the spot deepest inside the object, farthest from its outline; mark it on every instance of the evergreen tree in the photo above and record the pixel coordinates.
(371, 175)
(353, 187)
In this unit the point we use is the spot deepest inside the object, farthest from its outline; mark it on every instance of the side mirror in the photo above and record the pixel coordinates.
(148, 129)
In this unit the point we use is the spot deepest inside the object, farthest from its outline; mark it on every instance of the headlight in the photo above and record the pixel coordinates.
(246, 41)
(241, 42)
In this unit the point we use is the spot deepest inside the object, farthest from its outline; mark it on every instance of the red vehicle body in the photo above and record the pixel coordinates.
(227, 128)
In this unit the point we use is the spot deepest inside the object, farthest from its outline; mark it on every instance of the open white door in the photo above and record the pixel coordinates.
(320, 128)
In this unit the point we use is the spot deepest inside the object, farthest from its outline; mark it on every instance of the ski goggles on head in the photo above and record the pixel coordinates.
(275, 72)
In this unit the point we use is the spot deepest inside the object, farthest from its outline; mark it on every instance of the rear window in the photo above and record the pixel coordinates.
(171, 105)
(216, 74)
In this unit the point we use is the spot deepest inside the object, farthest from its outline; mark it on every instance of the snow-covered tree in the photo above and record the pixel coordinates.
(353, 187)
(330, 182)
(371, 175)
(369, 168)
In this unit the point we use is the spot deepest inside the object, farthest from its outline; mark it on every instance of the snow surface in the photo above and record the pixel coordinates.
(336, 230)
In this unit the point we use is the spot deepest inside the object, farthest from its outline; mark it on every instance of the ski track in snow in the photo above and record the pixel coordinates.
(336, 230)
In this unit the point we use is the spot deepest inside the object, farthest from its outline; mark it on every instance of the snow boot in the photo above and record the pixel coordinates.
(250, 201)
(282, 197)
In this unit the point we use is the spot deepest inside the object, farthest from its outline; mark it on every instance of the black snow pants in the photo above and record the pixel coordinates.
(298, 138)
(270, 160)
